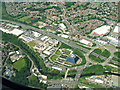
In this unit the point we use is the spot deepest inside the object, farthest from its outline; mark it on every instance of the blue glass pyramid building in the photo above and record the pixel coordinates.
(72, 59)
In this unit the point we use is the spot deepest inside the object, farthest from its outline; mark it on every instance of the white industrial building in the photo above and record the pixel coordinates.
(62, 26)
(26, 38)
(36, 34)
(102, 30)
(84, 41)
(14, 31)
(101, 42)
(46, 52)
(116, 29)
(43, 38)
(64, 36)
(15, 26)
(42, 76)
(98, 81)
(113, 41)
(57, 68)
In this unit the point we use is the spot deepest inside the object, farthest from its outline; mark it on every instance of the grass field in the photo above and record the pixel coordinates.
(25, 19)
(19, 64)
(66, 52)
(115, 59)
(53, 58)
(98, 51)
(95, 59)
(102, 52)
(32, 43)
(105, 53)
(58, 52)
(117, 54)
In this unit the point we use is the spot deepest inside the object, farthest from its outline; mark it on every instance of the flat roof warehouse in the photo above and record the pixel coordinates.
(101, 30)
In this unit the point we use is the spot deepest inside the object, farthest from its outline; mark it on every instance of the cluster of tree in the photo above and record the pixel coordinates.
(34, 81)
(72, 72)
(117, 54)
(97, 69)
(23, 73)
(69, 4)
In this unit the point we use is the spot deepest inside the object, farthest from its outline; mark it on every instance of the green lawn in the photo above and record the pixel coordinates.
(117, 54)
(25, 19)
(19, 64)
(32, 43)
(105, 53)
(54, 57)
(115, 59)
(67, 52)
(95, 59)
(97, 69)
(98, 51)
(101, 52)
(58, 52)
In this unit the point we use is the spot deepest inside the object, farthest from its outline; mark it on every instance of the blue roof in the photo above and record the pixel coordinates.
(70, 59)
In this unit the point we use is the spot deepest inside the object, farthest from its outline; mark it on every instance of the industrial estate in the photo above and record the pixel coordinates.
(55, 45)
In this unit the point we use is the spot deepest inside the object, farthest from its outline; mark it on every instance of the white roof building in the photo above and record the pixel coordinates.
(12, 25)
(112, 38)
(14, 31)
(57, 68)
(12, 53)
(43, 76)
(98, 81)
(86, 42)
(64, 36)
(36, 34)
(113, 41)
(17, 52)
(101, 30)
(43, 38)
(46, 52)
(102, 42)
(44, 81)
(116, 29)
(62, 25)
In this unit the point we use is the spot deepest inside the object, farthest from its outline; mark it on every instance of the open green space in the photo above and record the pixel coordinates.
(97, 69)
(111, 69)
(54, 57)
(66, 52)
(58, 52)
(34, 81)
(19, 64)
(117, 54)
(95, 59)
(28, 6)
(98, 51)
(106, 53)
(25, 19)
(115, 59)
(72, 72)
(32, 43)
(101, 52)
